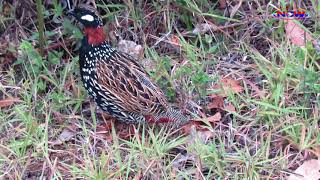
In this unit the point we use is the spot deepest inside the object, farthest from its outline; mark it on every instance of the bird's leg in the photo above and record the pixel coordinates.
(127, 131)
(123, 130)
(152, 120)
(108, 120)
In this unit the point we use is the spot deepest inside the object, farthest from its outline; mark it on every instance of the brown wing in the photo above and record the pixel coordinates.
(134, 91)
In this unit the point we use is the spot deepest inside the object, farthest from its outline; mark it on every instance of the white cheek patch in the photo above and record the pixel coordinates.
(87, 17)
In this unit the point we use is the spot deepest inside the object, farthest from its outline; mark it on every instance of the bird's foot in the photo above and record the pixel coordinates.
(152, 120)
(123, 130)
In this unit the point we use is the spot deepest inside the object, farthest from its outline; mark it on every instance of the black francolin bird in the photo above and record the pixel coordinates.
(116, 81)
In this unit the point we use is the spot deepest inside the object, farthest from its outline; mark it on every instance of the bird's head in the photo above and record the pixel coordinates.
(87, 16)
(93, 25)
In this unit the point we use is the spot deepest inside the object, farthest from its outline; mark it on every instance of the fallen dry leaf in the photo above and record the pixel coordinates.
(222, 4)
(175, 40)
(203, 28)
(131, 48)
(232, 84)
(203, 135)
(309, 170)
(228, 85)
(214, 118)
(197, 125)
(217, 102)
(64, 136)
(229, 107)
(259, 92)
(297, 35)
(9, 102)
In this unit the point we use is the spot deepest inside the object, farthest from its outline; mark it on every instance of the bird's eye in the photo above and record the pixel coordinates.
(87, 17)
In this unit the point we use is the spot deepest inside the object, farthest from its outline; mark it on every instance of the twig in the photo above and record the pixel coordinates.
(40, 27)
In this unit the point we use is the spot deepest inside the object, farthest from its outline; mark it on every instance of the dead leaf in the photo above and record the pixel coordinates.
(206, 135)
(222, 4)
(228, 85)
(9, 102)
(202, 135)
(6, 9)
(131, 48)
(65, 135)
(297, 35)
(175, 40)
(58, 117)
(217, 102)
(229, 107)
(214, 118)
(261, 93)
(232, 84)
(204, 27)
(309, 170)
(316, 150)
(196, 124)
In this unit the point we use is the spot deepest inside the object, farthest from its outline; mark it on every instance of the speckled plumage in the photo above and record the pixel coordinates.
(118, 83)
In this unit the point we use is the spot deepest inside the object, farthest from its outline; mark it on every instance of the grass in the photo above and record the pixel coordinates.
(273, 129)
